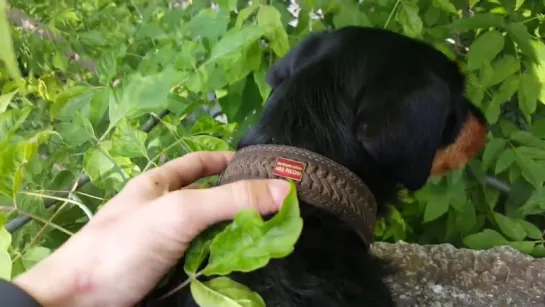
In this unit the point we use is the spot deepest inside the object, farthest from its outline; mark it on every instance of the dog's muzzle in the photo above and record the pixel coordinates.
(320, 182)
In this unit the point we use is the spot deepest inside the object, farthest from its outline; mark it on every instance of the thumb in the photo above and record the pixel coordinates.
(204, 207)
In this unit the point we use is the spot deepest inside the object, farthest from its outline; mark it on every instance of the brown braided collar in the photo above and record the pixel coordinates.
(320, 181)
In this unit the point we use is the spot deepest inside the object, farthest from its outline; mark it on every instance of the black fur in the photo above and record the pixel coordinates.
(377, 102)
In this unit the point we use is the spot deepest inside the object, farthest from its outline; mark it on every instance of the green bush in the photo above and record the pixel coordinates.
(110, 89)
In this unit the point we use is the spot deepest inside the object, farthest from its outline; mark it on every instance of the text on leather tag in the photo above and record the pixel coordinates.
(290, 169)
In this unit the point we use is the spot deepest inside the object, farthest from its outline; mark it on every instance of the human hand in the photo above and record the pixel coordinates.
(132, 242)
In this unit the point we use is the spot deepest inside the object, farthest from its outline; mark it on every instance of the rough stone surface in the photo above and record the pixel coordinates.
(443, 276)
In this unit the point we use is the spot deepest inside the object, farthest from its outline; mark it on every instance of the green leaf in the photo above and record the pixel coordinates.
(531, 230)
(436, 207)
(349, 14)
(507, 157)
(477, 21)
(11, 120)
(200, 248)
(484, 49)
(467, 218)
(208, 23)
(143, 95)
(228, 5)
(504, 67)
(510, 228)
(539, 251)
(222, 291)
(526, 138)
(206, 143)
(445, 5)
(248, 243)
(103, 169)
(7, 53)
(76, 132)
(485, 239)
(492, 151)
(34, 255)
(107, 67)
(525, 247)
(528, 93)
(521, 36)
(211, 126)
(63, 98)
(235, 41)
(270, 22)
(129, 141)
(5, 259)
(409, 19)
(5, 100)
(538, 128)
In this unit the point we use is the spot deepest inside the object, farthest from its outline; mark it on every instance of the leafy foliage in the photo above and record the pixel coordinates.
(111, 89)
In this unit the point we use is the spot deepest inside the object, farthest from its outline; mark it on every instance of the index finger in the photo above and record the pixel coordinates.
(178, 173)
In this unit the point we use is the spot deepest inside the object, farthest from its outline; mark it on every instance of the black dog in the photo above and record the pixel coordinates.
(389, 108)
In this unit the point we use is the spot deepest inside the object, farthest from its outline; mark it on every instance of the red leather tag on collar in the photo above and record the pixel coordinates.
(290, 169)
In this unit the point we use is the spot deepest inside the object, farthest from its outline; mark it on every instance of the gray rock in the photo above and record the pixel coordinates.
(444, 276)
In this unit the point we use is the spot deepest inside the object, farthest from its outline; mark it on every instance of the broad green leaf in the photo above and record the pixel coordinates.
(103, 169)
(539, 251)
(5, 259)
(531, 230)
(107, 67)
(200, 248)
(510, 228)
(538, 128)
(506, 158)
(525, 247)
(349, 14)
(269, 20)
(206, 143)
(477, 21)
(243, 15)
(63, 98)
(485, 239)
(211, 126)
(143, 95)
(208, 23)
(407, 16)
(76, 132)
(484, 49)
(13, 159)
(528, 93)
(234, 41)
(11, 120)
(34, 255)
(228, 5)
(504, 67)
(521, 36)
(445, 5)
(7, 53)
(248, 243)
(222, 291)
(5, 100)
(129, 141)
(435, 208)
(526, 138)
(492, 150)
(467, 218)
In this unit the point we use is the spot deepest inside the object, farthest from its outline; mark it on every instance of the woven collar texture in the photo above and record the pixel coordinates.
(320, 182)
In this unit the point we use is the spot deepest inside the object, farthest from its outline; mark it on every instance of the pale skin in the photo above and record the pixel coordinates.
(121, 254)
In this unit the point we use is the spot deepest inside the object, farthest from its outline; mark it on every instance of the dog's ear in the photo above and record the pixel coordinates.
(401, 120)
(468, 142)
(306, 52)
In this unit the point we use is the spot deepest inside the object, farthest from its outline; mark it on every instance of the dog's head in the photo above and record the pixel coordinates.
(364, 95)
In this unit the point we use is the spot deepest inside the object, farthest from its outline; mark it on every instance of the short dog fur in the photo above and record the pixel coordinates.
(391, 109)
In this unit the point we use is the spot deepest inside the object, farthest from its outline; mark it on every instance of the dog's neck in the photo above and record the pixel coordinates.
(320, 182)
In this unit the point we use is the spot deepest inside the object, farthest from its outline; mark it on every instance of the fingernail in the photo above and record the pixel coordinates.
(279, 190)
